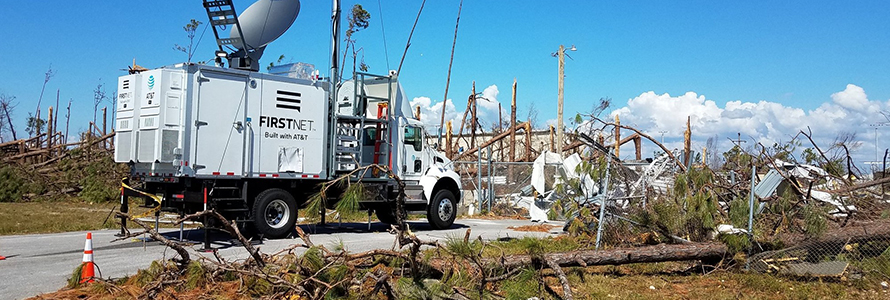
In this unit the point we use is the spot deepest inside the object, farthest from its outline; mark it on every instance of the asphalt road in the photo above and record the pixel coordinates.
(41, 263)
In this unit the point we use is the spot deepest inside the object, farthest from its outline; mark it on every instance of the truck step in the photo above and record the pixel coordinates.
(226, 188)
(346, 151)
(228, 199)
(234, 210)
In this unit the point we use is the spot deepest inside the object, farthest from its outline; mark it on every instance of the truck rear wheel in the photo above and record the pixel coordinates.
(442, 210)
(385, 214)
(274, 213)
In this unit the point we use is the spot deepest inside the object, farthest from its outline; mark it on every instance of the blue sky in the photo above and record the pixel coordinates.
(778, 52)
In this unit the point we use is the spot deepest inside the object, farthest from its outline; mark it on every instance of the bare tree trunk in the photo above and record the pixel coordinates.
(450, 63)
(56, 116)
(9, 118)
(473, 121)
(500, 130)
(49, 132)
(513, 123)
(67, 120)
(528, 140)
(104, 128)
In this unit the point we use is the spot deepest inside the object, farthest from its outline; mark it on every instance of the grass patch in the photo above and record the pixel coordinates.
(60, 216)
(715, 286)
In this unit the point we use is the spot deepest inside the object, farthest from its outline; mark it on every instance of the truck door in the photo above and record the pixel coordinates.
(413, 163)
(220, 123)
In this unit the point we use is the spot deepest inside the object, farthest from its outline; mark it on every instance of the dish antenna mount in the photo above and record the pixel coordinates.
(260, 24)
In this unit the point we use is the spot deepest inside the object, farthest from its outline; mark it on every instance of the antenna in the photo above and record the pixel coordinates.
(265, 21)
(259, 24)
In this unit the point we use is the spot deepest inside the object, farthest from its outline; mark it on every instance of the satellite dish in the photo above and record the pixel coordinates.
(265, 21)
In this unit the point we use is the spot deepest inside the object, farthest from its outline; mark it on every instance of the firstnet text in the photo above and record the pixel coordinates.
(286, 123)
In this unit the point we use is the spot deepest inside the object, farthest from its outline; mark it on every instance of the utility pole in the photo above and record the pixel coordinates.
(561, 54)
(739, 141)
(562, 66)
(662, 135)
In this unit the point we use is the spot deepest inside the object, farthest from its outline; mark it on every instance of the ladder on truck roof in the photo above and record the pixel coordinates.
(350, 131)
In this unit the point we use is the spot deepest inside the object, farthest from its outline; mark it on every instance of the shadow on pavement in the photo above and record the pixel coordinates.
(355, 227)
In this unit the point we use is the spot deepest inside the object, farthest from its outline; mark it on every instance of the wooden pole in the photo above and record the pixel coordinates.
(417, 113)
(513, 123)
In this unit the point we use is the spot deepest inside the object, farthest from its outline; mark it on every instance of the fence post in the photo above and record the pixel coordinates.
(603, 197)
(479, 181)
(751, 203)
(490, 183)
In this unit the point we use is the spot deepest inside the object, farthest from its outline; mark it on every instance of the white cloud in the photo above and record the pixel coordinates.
(552, 122)
(853, 97)
(486, 110)
(767, 122)
(431, 113)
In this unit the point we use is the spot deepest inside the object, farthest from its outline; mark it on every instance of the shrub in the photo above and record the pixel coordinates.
(11, 184)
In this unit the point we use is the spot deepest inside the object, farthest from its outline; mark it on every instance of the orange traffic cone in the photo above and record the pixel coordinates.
(88, 271)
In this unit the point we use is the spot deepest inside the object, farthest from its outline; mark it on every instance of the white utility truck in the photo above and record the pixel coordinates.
(254, 146)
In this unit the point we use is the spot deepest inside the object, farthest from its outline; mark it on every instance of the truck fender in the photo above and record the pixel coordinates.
(437, 177)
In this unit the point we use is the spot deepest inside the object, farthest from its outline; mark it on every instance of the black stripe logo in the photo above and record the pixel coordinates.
(288, 100)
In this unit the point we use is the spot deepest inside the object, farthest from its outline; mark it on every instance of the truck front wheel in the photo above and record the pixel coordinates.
(274, 213)
(442, 210)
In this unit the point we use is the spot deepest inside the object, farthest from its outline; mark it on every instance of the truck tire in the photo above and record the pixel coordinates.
(442, 210)
(274, 213)
(386, 215)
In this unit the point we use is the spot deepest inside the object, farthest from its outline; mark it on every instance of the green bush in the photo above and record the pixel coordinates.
(11, 184)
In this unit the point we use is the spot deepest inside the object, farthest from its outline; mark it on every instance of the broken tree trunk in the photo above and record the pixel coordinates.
(860, 186)
(618, 137)
(584, 258)
(687, 138)
(449, 152)
(463, 121)
(513, 123)
(490, 141)
(849, 234)
(474, 121)
(663, 148)
(528, 140)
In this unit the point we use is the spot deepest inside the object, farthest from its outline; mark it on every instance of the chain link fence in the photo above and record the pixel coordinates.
(850, 258)
(648, 189)
(500, 188)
